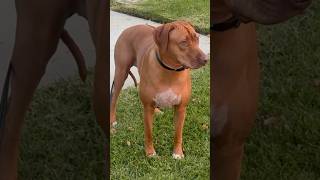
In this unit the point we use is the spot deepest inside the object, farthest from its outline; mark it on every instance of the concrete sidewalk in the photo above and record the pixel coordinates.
(119, 22)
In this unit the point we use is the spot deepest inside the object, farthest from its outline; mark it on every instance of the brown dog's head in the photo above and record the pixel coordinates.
(266, 11)
(178, 41)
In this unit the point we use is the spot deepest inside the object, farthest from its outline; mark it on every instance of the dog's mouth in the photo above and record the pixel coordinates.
(184, 65)
(197, 64)
(197, 67)
(192, 66)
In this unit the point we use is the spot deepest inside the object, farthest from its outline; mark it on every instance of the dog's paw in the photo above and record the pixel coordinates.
(114, 124)
(158, 111)
(154, 154)
(177, 156)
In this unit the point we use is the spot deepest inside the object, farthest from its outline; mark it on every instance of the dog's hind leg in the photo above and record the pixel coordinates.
(37, 35)
(123, 63)
(120, 76)
(96, 14)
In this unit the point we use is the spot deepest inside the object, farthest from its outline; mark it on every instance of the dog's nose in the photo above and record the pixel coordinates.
(203, 59)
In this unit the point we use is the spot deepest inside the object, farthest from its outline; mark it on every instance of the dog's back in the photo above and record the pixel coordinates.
(132, 43)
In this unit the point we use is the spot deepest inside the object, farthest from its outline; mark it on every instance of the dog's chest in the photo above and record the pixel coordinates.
(167, 98)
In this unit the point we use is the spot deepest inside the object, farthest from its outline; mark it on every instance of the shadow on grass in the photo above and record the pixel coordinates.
(285, 144)
(61, 139)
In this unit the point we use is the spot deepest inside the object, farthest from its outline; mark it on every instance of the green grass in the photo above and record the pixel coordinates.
(197, 12)
(288, 147)
(61, 139)
(130, 162)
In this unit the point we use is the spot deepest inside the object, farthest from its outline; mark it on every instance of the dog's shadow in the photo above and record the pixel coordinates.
(61, 138)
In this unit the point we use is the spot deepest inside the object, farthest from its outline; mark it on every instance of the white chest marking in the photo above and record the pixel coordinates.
(167, 98)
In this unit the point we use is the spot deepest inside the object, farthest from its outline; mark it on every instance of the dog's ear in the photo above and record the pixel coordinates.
(161, 35)
(187, 23)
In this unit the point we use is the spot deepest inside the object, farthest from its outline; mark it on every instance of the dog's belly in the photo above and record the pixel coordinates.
(167, 98)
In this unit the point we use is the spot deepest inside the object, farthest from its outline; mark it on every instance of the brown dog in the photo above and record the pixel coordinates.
(40, 24)
(163, 56)
(236, 75)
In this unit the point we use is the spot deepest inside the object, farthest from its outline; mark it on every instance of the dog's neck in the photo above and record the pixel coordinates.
(224, 17)
(168, 63)
(221, 12)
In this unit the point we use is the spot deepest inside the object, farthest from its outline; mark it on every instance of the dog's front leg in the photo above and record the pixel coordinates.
(235, 83)
(148, 120)
(179, 117)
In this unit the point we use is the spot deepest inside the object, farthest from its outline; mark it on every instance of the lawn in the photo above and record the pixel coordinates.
(197, 12)
(128, 160)
(61, 139)
(285, 143)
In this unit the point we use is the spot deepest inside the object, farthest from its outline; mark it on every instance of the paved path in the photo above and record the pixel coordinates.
(119, 22)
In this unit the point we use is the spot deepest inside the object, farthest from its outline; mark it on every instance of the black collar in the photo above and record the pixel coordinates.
(166, 66)
(232, 22)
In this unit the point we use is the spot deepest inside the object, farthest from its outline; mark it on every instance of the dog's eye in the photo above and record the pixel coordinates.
(184, 43)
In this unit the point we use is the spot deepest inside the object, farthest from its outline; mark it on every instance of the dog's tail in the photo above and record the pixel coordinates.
(76, 52)
(111, 91)
(133, 78)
